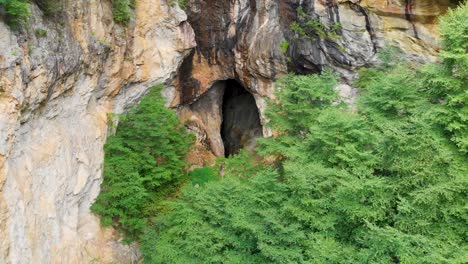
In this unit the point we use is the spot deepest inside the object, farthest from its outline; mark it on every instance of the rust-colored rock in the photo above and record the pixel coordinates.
(241, 40)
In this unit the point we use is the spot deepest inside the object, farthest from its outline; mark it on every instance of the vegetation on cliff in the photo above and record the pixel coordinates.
(384, 183)
(17, 11)
(122, 10)
(143, 162)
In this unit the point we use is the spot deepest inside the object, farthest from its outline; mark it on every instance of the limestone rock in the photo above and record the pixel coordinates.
(55, 94)
(241, 40)
(56, 91)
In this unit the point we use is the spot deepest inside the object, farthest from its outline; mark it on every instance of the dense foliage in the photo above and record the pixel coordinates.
(182, 3)
(122, 10)
(383, 184)
(448, 83)
(378, 186)
(144, 161)
(17, 11)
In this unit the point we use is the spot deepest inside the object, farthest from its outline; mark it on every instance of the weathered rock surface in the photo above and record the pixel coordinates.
(241, 40)
(55, 94)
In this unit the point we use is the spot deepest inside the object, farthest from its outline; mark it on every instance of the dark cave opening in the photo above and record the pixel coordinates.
(241, 120)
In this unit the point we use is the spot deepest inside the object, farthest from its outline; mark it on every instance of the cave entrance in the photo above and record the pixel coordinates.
(241, 124)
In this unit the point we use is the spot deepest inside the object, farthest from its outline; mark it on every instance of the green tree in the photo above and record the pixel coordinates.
(383, 184)
(448, 83)
(375, 186)
(143, 159)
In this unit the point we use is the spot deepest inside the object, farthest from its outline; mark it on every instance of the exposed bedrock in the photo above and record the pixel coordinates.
(55, 93)
(241, 40)
(57, 90)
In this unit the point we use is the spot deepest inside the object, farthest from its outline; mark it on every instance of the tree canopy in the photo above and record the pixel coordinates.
(144, 162)
(383, 183)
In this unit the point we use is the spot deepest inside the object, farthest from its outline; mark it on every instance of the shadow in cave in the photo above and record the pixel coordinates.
(241, 120)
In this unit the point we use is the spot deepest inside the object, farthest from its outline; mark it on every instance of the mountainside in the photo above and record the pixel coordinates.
(62, 76)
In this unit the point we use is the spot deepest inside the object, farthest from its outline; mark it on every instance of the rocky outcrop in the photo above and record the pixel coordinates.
(55, 93)
(242, 39)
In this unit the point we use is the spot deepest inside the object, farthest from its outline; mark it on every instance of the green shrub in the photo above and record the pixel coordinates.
(284, 45)
(41, 33)
(393, 94)
(448, 83)
(17, 11)
(122, 10)
(302, 97)
(307, 27)
(183, 3)
(297, 28)
(449, 99)
(341, 139)
(454, 32)
(142, 160)
(201, 176)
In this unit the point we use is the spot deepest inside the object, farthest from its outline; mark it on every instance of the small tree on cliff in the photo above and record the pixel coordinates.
(448, 83)
(143, 158)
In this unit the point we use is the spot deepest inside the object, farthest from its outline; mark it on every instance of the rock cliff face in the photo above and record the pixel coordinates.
(56, 91)
(242, 39)
(55, 94)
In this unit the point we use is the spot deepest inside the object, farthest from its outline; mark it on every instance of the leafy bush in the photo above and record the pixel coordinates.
(390, 94)
(143, 159)
(201, 176)
(49, 7)
(183, 3)
(449, 98)
(454, 31)
(448, 83)
(122, 10)
(18, 11)
(303, 98)
(284, 45)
